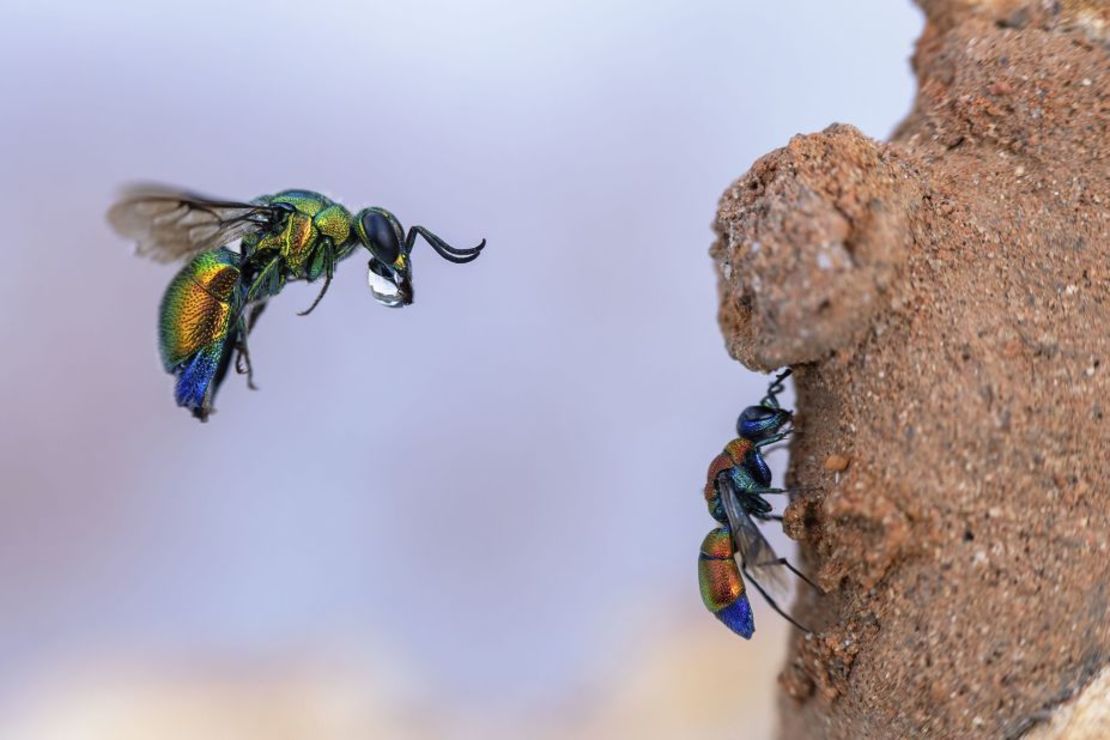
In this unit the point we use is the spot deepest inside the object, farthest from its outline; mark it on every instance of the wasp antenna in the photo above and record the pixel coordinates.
(443, 249)
(461, 252)
(775, 388)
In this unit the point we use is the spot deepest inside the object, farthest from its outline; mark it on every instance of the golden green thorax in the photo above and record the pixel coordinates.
(314, 224)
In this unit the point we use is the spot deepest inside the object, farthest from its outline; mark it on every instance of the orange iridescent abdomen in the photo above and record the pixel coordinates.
(196, 307)
(196, 325)
(722, 588)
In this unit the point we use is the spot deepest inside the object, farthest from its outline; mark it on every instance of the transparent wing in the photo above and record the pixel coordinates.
(754, 550)
(169, 224)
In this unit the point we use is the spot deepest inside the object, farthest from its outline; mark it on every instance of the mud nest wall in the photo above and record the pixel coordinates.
(945, 301)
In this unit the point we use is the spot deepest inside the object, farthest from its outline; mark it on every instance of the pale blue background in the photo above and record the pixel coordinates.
(497, 484)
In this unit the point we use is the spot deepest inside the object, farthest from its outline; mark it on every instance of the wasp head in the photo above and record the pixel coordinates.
(759, 422)
(390, 276)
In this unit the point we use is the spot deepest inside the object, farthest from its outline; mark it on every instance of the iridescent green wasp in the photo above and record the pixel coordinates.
(213, 302)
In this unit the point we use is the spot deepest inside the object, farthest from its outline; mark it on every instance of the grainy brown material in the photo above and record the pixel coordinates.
(945, 301)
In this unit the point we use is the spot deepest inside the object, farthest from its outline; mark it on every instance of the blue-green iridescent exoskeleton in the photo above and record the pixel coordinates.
(735, 485)
(212, 303)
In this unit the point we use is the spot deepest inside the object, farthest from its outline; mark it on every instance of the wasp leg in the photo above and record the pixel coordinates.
(329, 270)
(268, 274)
(256, 311)
(771, 601)
(795, 571)
(270, 281)
(243, 355)
(767, 491)
(774, 438)
(243, 362)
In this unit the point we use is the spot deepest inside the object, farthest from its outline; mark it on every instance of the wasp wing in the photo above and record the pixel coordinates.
(756, 555)
(169, 224)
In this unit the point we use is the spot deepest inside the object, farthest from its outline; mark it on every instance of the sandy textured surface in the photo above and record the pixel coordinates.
(945, 301)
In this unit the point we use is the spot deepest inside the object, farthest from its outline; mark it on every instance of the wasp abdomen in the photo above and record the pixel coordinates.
(195, 324)
(722, 588)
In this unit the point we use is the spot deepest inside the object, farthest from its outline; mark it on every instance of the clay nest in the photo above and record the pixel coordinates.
(945, 301)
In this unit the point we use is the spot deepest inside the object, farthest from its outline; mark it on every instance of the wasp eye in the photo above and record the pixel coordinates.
(380, 236)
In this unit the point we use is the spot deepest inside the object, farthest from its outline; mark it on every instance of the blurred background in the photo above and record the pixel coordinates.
(475, 517)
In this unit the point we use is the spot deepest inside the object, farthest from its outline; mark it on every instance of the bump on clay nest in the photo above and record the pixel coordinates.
(945, 302)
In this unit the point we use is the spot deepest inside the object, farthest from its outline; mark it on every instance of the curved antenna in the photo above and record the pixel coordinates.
(443, 249)
(774, 389)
